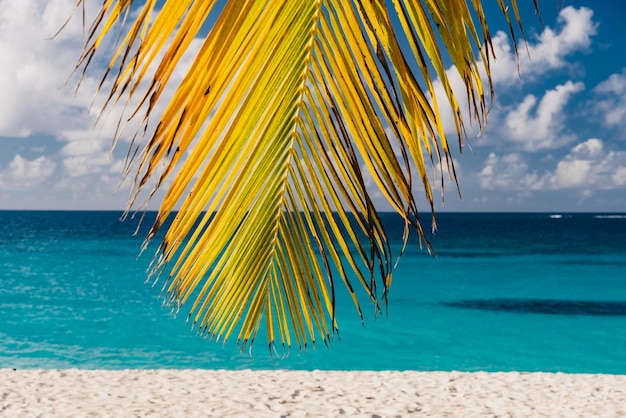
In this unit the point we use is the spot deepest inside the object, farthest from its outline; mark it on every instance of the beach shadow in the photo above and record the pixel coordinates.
(544, 306)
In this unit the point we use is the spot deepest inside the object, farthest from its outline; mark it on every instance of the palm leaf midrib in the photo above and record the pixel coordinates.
(288, 114)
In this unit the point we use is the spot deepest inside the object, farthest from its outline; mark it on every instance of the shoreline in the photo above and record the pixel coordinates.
(280, 393)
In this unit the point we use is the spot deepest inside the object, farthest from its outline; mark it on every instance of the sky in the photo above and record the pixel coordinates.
(555, 140)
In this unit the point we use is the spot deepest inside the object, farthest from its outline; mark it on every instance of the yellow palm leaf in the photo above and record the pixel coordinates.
(287, 110)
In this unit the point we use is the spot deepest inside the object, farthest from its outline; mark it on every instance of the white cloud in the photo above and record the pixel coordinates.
(545, 52)
(82, 165)
(82, 173)
(619, 176)
(592, 149)
(38, 95)
(510, 171)
(588, 166)
(39, 98)
(611, 101)
(553, 47)
(615, 84)
(549, 52)
(536, 125)
(35, 67)
(24, 174)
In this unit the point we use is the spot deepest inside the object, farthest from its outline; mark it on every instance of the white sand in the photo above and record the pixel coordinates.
(188, 393)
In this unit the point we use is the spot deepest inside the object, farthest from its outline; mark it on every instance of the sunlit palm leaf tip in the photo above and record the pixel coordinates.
(287, 113)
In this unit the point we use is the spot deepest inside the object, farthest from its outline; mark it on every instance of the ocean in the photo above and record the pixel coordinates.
(524, 292)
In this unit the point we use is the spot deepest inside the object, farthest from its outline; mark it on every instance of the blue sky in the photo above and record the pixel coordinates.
(555, 141)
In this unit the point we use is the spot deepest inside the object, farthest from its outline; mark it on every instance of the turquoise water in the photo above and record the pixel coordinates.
(527, 292)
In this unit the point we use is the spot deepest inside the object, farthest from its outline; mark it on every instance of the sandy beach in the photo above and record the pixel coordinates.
(201, 393)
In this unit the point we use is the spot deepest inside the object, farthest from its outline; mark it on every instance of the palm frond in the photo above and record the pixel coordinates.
(287, 111)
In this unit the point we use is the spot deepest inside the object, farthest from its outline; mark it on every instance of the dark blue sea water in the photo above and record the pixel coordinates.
(526, 292)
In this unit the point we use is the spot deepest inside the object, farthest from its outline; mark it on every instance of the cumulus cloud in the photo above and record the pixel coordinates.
(553, 47)
(35, 67)
(39, 98)
(587, 166)
(610, 101)
(509, 171)
(24, 174)
(548, 52)
(38, 94)
(538, 124)
(35, 99)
